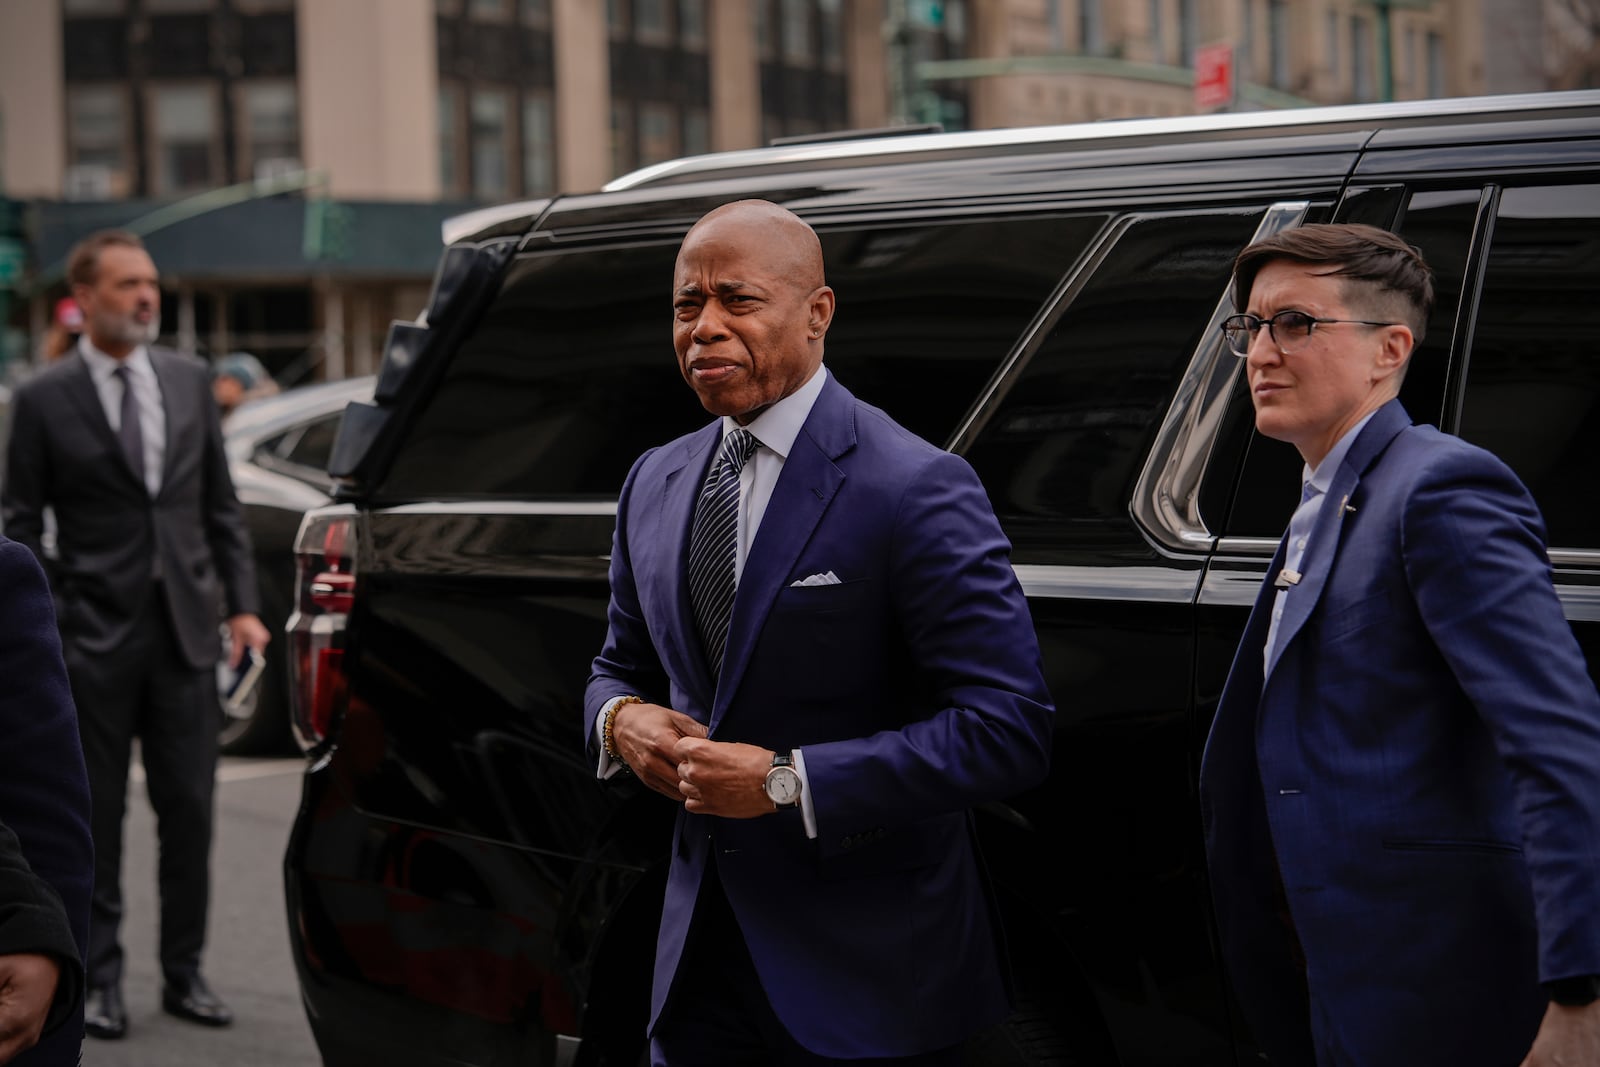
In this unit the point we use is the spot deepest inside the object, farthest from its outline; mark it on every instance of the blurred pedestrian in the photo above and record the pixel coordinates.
(66, 325)
(46, 857)
(1402, 782)
(238, 377)
(122, 440)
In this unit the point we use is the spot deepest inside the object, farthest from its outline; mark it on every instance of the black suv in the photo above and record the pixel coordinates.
(1045, 302)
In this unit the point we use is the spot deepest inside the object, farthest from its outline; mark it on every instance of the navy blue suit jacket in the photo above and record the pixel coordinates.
(1424, 764)
(914, 688)
(44, 789)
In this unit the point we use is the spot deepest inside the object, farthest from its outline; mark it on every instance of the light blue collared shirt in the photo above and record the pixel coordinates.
(1314, 486)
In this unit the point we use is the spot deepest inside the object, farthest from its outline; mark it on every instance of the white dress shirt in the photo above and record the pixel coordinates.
(775, 429)
(146, 394)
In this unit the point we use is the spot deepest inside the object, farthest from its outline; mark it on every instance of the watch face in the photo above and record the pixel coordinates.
(783, 785)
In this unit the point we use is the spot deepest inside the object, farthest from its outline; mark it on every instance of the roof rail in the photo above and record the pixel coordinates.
(828, 137)
(859, 147)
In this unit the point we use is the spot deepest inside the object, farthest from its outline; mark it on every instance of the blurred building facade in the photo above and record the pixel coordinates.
(290, 161)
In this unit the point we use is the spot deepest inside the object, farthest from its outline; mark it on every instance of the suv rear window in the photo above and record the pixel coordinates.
(570, 375)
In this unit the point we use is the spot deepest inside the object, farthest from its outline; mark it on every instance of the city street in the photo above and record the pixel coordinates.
(247, 956)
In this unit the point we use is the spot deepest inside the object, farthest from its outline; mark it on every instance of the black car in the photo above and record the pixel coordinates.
(1045, 302)
(278, 449)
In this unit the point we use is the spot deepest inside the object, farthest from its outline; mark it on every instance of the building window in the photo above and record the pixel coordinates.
(766, 32)
(491, 155)
(535, 12)
(490, 10)
(616, 18)
(269, 129)
(955, 24)
(159, 7)
(1333, 44)
(185, 132)
(1278, 41)
(1091, 33)
(538, 146)
(832, 34)
(696, 131)
(657, 133)
(692, 23)
(796, 32)
(1436, 87)
(1360, 59)
(622, 155)
(650, 20)
(97, 128)
(450, 176)
(1188, 31)
(93, 7)
(1158, 43)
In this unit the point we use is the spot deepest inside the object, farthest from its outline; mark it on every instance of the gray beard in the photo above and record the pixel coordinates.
(129, 332)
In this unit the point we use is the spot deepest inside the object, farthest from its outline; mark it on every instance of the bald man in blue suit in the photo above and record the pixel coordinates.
(877, 677)
(1401, 788)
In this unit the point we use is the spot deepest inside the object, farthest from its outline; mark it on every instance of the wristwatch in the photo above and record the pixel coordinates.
(1575, 992)
(783, 781)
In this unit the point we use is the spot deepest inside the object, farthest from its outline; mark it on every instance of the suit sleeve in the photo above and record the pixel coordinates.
(22, 494)
(44, 789)
(226, 532)
(33, 920)
(973, 648)
(627, 663)
(1476, 559)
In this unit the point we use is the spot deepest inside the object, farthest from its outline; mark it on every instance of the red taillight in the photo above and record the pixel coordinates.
(325, 593)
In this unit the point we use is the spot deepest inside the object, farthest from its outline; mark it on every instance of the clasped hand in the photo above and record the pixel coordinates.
(670, 753)
(27, 988)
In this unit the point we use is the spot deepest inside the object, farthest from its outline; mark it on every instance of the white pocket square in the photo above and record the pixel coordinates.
(825, 578)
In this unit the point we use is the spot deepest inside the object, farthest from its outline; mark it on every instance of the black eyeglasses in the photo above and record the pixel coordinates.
(1288, 329)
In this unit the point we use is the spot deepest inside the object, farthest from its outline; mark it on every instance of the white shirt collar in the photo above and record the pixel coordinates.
(780, 424)
(102, 366)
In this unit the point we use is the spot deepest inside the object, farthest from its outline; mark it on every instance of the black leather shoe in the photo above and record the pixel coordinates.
(193, 1000)
(103, 1014)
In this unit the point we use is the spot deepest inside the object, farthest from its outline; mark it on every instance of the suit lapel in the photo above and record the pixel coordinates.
(807, 485)
(1322, 547)
(177, 414)
(86, 398)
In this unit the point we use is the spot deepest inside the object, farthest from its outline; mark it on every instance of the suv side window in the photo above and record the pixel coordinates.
(1062, 450)
(1441, 225)
(570, 375)
(1533, 384)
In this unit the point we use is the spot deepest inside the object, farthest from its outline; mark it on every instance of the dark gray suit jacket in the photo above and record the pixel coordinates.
(63, 454)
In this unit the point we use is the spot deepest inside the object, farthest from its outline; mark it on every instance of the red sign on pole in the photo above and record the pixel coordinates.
(1213, 76)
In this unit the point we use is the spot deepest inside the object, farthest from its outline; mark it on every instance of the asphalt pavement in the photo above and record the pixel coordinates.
(247, 955)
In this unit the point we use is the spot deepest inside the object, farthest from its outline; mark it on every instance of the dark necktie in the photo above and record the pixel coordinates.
(129, 432)
(713, 544)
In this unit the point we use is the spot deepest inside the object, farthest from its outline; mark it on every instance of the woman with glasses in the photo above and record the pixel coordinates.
(1402, 781)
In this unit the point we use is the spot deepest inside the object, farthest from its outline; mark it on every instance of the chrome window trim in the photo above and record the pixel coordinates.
(1166, 498)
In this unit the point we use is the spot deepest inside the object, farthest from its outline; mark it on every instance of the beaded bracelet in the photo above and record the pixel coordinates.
(608, 737)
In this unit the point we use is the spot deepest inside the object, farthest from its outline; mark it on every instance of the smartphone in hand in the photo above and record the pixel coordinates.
(243, 678)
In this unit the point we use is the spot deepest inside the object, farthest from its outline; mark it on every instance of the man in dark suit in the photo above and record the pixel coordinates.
(46, 856)
(1402, 784)
(121, 440)
(817, 646)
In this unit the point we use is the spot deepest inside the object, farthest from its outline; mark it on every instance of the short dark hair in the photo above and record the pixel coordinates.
(83, 262)
(1392, 268)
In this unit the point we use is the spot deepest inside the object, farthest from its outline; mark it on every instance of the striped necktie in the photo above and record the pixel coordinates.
(713, 545)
